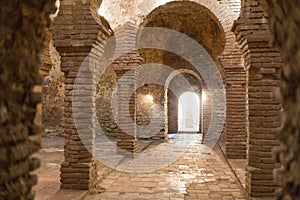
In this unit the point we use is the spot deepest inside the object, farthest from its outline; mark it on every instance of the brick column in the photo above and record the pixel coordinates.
(235, 84)
(206, 109)
(75, 33)
(126, 136)
(127, 59)
(236, 137)
(263, 110)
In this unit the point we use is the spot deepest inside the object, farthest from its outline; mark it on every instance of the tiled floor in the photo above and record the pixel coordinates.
(189, 177)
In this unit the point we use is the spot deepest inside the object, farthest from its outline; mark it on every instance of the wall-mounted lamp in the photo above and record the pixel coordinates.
(149, 97)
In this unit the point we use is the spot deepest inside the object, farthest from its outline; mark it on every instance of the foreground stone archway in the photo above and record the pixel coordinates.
(285, 38)
(23, 31)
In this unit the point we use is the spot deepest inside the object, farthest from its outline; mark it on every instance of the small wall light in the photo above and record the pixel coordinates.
(149, 97)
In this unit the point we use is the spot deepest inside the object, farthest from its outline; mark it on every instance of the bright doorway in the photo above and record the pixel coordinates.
(188, 112)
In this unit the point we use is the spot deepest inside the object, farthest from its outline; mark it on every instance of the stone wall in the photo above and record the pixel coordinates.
(106, 90)
(22, 38)
(53, 90)
(263, 63)
(149, 104)
(284, 24)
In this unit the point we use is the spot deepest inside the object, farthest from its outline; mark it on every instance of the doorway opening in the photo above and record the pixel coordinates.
(188, 112)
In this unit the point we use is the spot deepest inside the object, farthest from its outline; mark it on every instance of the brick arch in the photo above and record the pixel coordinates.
(178, 15)
(167, 83)
(182, 71)
(225, 16)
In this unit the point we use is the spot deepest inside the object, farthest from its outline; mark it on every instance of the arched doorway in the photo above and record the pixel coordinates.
(178, 83)
(189, 112)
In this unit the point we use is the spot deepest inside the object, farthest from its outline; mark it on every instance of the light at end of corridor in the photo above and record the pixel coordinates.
(101, 11)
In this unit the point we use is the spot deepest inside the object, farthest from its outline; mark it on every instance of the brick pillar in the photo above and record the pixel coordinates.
(126, 136)
(127, 59)
(236, 137)
(235, 84)
(75, 33)
(263, 111)
(206, 104)
(19, 56)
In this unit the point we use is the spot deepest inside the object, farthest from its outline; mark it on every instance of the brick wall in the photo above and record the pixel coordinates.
(53, 90)
(262, 62)
(148, 111)
(19, 55)
(104, 101)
